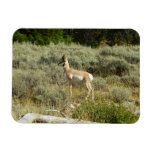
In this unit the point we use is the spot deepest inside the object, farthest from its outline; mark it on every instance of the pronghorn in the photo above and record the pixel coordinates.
(77, 76)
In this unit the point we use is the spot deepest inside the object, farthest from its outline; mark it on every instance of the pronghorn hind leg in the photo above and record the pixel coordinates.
(89, 90)
(70, 89)
(92, 93)
(92, 90)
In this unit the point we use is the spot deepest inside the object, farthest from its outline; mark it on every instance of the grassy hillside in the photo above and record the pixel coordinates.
(39, 83)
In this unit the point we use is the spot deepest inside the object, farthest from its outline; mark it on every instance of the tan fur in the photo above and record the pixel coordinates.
(80, 75)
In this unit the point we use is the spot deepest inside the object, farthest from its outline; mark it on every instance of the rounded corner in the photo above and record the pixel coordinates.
(16, 121)
(135, 32)
(137, 121)
(15, 32)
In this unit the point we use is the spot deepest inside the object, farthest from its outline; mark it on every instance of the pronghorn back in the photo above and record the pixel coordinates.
(76, 75)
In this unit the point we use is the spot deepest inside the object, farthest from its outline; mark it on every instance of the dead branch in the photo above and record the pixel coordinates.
(39, 118)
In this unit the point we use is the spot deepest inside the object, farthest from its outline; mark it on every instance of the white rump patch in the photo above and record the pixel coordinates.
(71, 76)
(91, 76)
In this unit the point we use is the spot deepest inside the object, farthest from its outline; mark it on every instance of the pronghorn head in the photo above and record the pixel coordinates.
(64, 62)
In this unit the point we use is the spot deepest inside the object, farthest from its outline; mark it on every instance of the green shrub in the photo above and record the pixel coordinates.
(44, 60)
(16, 63)
(53, 97)
(99, 83)
(118, 67)
(32, 79)
(19, 87)
(104, 112)
(24, 81)
(118, 60)
(55, 74)
(25, 58)
(114, 79)
(122, 52)
(75, 62)
(120, 94)
(113, 66)
(19, 37)
(132, 80)
(49, 59)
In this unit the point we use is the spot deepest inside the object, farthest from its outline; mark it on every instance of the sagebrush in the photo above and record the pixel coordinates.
(40, 82)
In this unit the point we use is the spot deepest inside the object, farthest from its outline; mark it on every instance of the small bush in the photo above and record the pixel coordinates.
(114, 79)
(24, 81)
(50, 96)
(55, 74)
(121, 52)
(132, 80)
(120, 94)
(19, 37)
(19, 87)
(32, 79)
(99, 83)
(113, 66)
(118, 67)
(49, 59)
(104, 112)
(44, 60)
(16, 63)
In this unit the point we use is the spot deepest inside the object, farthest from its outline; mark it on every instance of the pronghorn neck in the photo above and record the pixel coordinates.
(66, 66)
(66, 69)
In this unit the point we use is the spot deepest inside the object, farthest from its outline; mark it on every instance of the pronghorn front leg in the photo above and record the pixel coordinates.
(70, 88)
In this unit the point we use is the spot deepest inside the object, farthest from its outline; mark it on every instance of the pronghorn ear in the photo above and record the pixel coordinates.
(63, 58)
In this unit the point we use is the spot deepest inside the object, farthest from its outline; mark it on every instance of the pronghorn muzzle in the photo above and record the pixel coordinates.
(61, 63)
